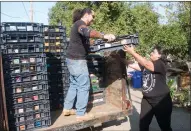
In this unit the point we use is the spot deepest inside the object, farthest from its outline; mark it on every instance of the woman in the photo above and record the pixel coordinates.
(156, 94)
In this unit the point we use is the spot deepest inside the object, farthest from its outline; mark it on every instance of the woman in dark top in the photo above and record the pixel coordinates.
(156, 94)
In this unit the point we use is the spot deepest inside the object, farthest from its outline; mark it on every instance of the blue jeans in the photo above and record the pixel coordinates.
(79, 86)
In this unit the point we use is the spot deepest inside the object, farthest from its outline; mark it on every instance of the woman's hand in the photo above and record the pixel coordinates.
(128, 49)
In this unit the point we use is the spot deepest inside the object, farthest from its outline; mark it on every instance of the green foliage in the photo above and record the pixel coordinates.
(122, 18)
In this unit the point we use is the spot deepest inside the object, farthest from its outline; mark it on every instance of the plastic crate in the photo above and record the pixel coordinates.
(24, 69)
(54, 29)
(19, 59)
(19, 118)
(29, 97)
(27, 87)
(21, 27)
(25, 78)
(53, 37)
(22, 38)
(22, 48)
(33, 124)
(30, 107)
(56, 43)
(53, 49)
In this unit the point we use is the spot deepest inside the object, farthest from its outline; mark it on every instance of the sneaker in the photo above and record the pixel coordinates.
(85, 117)
(69, 112)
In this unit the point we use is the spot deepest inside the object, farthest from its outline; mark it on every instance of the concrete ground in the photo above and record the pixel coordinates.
(181, 118)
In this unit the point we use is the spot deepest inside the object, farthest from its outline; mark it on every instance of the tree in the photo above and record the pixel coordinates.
(176, 32)
(122, 18)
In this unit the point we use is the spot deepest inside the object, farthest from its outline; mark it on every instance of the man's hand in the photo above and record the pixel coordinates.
(128, 49)
(109, 37)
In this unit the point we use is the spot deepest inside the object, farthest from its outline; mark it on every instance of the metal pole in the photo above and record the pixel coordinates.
(31, 3)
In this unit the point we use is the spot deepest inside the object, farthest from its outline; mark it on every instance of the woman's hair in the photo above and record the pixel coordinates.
(79, 13)
(162, 52)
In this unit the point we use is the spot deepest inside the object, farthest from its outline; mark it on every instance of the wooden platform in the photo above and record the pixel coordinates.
(103, 113)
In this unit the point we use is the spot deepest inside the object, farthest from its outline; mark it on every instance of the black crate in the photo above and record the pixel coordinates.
(54, 29)
(25, 78)
(18, 59)
(54, 49)
(54, 43)
(22, 48)
(30, 107)
(17, 38)
(32, 124)
(19, 118)
(8, 27)
(24, 69)
(27, 87)
(54, 37)
(28, 97)
(51, 38)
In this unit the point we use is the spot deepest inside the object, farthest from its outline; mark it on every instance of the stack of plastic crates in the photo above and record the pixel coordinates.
(55, 44)
(25, 76)
(96, 69)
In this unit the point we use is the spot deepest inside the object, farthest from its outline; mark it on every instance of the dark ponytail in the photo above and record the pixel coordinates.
(77, 15)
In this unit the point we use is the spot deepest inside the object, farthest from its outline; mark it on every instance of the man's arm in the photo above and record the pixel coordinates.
(85, 31)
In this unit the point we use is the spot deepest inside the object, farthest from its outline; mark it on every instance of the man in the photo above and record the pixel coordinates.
(76, 62)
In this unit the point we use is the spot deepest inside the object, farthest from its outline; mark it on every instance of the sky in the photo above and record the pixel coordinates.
(15, 11)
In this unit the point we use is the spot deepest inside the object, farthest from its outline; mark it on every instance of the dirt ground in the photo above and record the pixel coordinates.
(181, 118)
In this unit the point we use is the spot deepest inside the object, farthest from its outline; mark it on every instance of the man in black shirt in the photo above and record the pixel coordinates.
(76, 62)
(156, 94)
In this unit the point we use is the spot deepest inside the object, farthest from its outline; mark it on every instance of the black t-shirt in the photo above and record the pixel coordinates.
(154, 83)
(78, 45)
